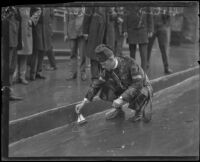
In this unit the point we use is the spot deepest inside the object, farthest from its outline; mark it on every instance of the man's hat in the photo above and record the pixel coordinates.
(103, 52)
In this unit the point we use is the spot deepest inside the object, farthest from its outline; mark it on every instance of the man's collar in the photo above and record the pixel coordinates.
(116, 63)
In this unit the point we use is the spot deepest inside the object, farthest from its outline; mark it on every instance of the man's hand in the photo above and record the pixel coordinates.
(118, 102)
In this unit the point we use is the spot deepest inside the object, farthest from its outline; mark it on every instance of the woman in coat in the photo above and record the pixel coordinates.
(27, 43)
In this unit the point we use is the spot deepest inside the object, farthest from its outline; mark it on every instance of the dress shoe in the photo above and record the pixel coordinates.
(72, 76)
(23, 81)
(168, 71)
(15, 98)
(83, 76)
(39, 76)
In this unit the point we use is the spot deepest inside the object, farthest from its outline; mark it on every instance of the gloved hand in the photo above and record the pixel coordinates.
(118, 102)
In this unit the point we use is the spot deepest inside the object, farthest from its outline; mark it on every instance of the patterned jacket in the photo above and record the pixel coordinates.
(128, 78)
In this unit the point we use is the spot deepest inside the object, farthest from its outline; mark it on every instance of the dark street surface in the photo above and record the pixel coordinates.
(55, 91)
(173, 131)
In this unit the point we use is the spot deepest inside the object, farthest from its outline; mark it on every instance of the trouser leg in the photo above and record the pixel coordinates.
(12, 63)
(33, 63)
(119, 46)
(40, 60)
(22, 66)
(143, 55)
(82, 54)
(132, 48)
(74, 55)
(149, 48)
(163, 41)
(51, 57)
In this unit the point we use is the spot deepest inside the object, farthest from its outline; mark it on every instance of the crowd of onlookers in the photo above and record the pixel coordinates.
(30, 37)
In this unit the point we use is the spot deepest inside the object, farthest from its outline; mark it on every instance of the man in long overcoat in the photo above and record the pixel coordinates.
(10, 35)
(73, 34)
(42, 42)
(98, 25)
(138, 24)
(161, 31)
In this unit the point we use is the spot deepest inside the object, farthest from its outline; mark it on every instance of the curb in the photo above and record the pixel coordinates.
(47, 120)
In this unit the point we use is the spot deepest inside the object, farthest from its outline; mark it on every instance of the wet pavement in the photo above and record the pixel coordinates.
(55, 91)
(173, 131)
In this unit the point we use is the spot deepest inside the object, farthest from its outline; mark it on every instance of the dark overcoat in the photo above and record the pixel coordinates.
(137, 23)
(98, 25)
(14, 21)
(42, 31)
(73, 21)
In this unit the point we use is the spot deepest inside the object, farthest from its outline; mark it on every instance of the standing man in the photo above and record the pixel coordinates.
(73, 26)
(161, 31)
(138, 26)
(10, 29)
(98, 28)
(48, 34)
(121, 81)
(39, 44)
(119, 37)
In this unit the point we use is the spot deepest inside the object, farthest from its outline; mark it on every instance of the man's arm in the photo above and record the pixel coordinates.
(95, 86)
(137, 82)
(93, 90)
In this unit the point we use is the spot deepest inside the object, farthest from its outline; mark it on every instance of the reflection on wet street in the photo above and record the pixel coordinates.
(173, 131)
(55, 91)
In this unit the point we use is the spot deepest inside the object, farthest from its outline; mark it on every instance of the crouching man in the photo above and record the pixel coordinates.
(121, 81)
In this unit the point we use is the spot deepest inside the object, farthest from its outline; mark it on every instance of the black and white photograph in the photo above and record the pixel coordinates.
(100, 80)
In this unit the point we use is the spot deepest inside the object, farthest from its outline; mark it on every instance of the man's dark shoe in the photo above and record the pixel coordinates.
(168, 71)
(15, 98)
(113, 113)
(72, 76)
(39, 76)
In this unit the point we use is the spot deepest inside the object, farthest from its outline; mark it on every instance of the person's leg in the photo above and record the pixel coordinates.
(12, 67)
(119, 46)
(51, 57)
(143, 55)
(39, 66)
(163, 45)
(132, 48)
(95, 67)
(82, 50)
(12, 63)
(149, 49)
(33, 64)
(23, 68)
(73, 59)
(137, 104)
